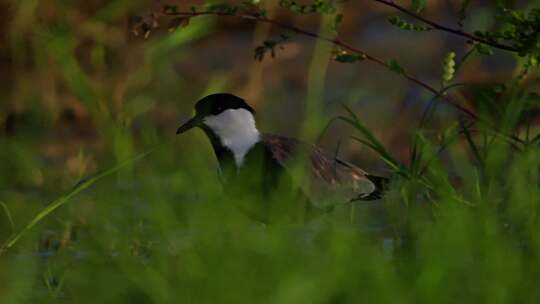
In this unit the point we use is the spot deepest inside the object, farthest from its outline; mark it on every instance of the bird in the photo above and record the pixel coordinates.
(253, 164)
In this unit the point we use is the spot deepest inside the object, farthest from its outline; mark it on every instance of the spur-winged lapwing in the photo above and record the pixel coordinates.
(255, 162)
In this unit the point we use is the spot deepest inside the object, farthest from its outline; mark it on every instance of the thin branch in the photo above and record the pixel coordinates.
(443, 28)
(335, 41)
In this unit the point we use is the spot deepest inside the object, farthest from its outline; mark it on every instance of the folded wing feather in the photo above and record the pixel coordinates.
(327, 179)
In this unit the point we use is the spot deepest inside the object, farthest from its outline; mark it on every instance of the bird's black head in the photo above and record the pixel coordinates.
(212, 105)
(216, 103)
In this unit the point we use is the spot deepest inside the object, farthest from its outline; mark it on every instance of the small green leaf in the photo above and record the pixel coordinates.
(295, 8)
(394, 66)
(419, 5)
(170, 9)
(463, 11)
(318, 6)
(325, 7)
(337, 21)
(405, 25)
(533, 61)
(347, 58)
(270, 46)
(483, 49)
(284, 3)
(221, 8)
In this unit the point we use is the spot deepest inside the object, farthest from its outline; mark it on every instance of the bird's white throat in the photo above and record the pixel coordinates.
(236, 130)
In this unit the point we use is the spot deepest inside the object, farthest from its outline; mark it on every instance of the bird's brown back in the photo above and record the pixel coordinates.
(325, 177)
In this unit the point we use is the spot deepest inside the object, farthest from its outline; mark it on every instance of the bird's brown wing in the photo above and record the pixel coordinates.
(326, 178)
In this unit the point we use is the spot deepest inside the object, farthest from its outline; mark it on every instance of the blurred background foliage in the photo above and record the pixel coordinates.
(85, 88)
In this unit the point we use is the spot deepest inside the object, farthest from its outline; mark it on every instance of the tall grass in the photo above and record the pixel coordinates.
(459, 222)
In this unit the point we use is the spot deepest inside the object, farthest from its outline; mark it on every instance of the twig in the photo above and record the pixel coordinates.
(335, 41)
(443, 28)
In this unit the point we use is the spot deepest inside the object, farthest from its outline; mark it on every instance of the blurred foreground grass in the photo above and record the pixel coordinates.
(459, 226)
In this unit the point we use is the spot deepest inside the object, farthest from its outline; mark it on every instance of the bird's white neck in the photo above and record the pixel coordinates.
(236, 130)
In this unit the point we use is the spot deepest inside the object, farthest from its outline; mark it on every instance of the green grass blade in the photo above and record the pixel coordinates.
(370, 138)
(442, 147)
(8, 215)
(536, 139)
(354, 121)
(389, 161)
(472, 145)
(325, 129)
(66, 197)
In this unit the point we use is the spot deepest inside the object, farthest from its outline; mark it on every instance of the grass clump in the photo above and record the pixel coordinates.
(150, 223)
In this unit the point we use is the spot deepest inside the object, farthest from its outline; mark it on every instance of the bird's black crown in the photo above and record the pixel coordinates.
(214, 104)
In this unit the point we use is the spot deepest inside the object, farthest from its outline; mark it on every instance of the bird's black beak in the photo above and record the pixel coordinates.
(188, 125)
